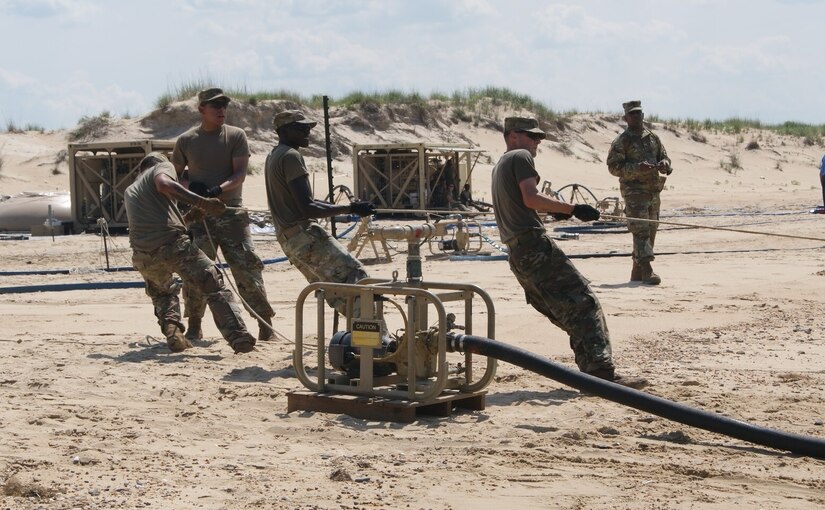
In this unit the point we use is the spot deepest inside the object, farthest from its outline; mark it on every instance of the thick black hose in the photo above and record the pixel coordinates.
(802, 445)
(59, 287)
(116, 269)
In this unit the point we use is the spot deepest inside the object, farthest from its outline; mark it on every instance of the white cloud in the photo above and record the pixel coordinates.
(72, 9)
(14, 79)
(572, 24)
(583, 54)
(77, 95)
(474, 8)
(768, 54)
(65, 102)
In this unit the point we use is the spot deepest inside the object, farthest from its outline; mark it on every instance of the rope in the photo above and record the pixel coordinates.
(441, 212)
(261, 321)
(494, 244)
(726, 229)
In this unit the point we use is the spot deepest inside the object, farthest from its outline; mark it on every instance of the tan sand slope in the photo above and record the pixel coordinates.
(97, 413)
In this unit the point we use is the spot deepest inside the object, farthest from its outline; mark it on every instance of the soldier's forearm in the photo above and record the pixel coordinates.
(181, 194)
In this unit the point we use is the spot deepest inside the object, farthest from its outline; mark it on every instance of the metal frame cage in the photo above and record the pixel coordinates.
(99, 173)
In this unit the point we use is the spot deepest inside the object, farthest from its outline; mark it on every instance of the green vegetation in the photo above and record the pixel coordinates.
(472, 104)
(12, 127)
(732, 165)
(479, 101)
(810, 133)
(91, 127)
(190, 89)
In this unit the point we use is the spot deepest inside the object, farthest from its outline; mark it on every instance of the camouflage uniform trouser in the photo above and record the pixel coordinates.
(822, 181)
(559, 292)
(644, 205)
(230, 232)
(320, 258)
(197, 272)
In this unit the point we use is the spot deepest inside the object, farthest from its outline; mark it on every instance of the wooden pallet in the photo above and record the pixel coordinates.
(383, 409)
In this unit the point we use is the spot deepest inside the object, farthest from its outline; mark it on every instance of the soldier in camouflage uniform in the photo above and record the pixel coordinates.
(638, 158)
(216, 156)
(551, 283)
(306, 244)
(157, 234)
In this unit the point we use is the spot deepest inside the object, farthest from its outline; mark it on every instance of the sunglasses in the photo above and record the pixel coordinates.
(635, 112)
(217, 104)
(533, 136)
(303, 128)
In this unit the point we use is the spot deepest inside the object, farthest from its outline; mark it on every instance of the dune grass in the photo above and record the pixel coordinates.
(472, 103)
(811, 134)
(12, 127)
(90, 127)
(479, 101)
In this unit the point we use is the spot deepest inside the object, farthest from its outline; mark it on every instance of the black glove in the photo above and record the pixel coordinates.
(362, 208)
(214, 191)
(561, 216)
(199, 188)
(585, 212)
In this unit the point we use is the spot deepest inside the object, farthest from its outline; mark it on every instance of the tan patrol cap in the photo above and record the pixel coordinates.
(151, 159)
(214, 94)
(526, 124)
(632, 106)
(289, 116)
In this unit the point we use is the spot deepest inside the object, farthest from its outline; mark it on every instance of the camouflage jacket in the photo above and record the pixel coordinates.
(627, 151)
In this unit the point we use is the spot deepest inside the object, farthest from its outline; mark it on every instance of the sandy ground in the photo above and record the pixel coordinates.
(95, 411)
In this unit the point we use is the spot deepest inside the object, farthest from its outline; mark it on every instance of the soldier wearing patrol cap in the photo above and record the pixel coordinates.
(216, 156)
(306, 244)
(638, 158)
(157, 234)
(551, 283)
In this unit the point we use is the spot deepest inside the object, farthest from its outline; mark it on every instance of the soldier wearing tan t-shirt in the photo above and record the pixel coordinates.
(215, 156)
(157, 234)
(552, 285)
(306, 244)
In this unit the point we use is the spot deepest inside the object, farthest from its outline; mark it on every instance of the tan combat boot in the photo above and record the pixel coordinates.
(636, 273)
(194, 331)
(175, 339)
(242, 343)
(265, 331)
(648, 276)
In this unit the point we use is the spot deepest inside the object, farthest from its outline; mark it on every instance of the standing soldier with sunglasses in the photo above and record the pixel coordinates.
(638, 158)
(551, 283)
(216, 156)
(316, 254)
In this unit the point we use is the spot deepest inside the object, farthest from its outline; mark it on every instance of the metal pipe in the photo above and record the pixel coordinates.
(328, 150)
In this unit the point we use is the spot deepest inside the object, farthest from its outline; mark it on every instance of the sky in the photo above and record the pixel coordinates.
(697, 59)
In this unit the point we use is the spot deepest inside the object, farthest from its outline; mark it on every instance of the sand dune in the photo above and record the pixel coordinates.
(97, 413)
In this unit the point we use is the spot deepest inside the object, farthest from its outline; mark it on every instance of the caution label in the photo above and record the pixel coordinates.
(366, 333)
